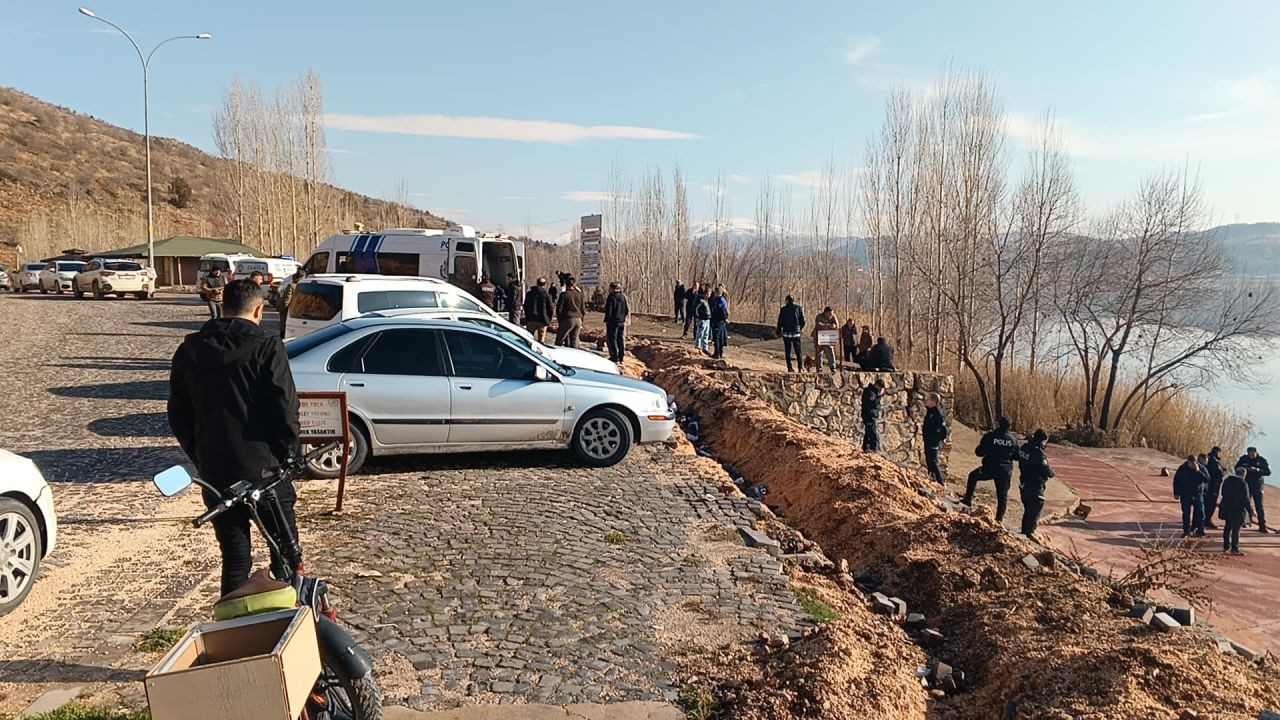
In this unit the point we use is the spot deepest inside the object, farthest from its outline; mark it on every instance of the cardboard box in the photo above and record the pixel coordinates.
(260, 667)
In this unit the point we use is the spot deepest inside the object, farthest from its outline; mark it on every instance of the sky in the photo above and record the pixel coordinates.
(507, 115)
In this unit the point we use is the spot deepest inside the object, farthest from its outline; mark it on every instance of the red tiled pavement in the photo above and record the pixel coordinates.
(1130, 501)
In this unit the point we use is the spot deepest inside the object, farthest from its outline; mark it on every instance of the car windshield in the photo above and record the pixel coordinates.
(296, 347)
(34, 266)
(122, 266)
(71, 266)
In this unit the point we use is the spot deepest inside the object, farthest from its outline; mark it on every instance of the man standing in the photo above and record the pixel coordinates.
(849, 342)
(1235, 498)
(702, 322)
(997, 449)
(871, 397)
(286, 298)
(1187, 487)
(615, 322)
(825, 321)
(488, 292)
(679, 299)
(570, 309)
(719, 322)
(1033, 467)
(690, 304)
(791, 327)
(1256, 468)
(538, 310)
(212, 286)
(234, 410)
(1213, 463)
(934, 434)
(865, 343)
(512, 299)
(880, 359)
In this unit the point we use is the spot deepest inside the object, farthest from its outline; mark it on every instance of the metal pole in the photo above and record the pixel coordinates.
(146, 133)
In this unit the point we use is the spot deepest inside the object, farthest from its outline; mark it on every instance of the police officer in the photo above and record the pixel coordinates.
(871, 397)
(1188, 488)
(997, 449)
(1213, 464)
(1255, 468)
(1033, 467)
(934, 434)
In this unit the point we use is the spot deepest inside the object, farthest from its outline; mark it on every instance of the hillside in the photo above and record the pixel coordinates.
(68, 179)
(1254, 248)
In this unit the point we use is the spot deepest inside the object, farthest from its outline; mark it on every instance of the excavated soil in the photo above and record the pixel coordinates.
(1048, 640)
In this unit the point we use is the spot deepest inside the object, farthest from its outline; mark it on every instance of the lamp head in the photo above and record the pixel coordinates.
(87, 11)
(204, 36)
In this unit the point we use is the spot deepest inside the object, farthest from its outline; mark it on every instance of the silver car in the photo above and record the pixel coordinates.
(437, 386)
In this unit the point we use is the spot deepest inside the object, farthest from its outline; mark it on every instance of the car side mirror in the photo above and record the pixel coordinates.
(172, 481)
(540, 374)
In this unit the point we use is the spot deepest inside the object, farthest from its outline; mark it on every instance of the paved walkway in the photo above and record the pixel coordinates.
(473, 579)
(1131, 502)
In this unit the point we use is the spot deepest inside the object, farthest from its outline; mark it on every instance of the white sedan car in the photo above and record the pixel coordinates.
(58, 275)
(438, 386)
(104, 276)
(28, 527)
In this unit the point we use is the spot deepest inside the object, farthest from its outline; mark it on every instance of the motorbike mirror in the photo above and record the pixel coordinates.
(172, 481)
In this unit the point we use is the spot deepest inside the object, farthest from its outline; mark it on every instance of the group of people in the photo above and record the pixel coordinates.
(858, 348)
(705, 308)
(568, 307)
(505, 299)
(1203, 485)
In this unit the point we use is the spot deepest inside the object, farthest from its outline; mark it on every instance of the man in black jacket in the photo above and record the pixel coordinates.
(791, 327)
(691, 300)
(679, 299)
(997, 449)
(934, 434)
(512, 299)
(539, 309)
(1188, 487)
(871, 397)
(880, 358)
(1033, 467)
(234, 410)
(615, 322)
(1213, 464)
(1255, 468)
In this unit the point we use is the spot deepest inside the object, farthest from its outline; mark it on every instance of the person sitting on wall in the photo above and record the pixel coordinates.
(880, 359)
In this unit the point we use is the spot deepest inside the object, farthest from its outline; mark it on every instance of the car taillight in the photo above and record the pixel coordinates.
(107, 273)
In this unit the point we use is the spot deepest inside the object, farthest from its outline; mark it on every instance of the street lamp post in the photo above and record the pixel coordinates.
(146, 119)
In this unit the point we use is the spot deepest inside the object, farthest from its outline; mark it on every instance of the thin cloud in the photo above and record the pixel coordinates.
(589, 196)
(807, 178)
(340, 151)
(861, 49)
(518, 197)
(739, 178)
(491, 128)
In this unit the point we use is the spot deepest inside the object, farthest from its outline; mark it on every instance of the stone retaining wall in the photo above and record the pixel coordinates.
(832, 403)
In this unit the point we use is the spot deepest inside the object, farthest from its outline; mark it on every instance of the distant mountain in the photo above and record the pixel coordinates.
(1252, 248)
(743, 232)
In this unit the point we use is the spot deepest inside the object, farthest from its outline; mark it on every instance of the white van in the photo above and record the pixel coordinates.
(455, 254)
(328, 299)
(229, 264)
(275, 270)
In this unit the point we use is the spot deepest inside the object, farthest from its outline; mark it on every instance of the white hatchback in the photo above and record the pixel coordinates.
(28, 527)
(331, 298)
(106, 276)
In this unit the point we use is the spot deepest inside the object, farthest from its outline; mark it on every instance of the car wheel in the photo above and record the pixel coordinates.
(602, 438)
(76, 291)
(20, 550)
(42, 290)
(329, 465)
(97, 291)
(143, 295)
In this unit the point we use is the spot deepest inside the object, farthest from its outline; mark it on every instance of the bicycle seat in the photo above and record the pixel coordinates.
(261, 594)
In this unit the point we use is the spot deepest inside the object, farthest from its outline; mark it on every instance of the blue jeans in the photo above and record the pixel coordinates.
(702, 335)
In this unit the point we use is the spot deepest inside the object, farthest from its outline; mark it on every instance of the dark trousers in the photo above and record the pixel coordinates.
(1255, 492)
(1230, 536)
(616, 337)
(931, 462)
(1032, 504)
(1002, 477)
(679, 310)
(233, 528)
(871, 437)
(790, 346)
(719, 338)
(688, 320)
(850, 354)
(567, 332)
(1192, 514)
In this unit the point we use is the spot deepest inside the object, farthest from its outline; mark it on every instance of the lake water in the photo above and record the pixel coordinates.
(1261, 405)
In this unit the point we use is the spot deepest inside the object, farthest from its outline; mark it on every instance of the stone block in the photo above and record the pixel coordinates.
(915, 620)
(900, 607)
(931, 638)
(880, 603)
(755, 538)
(1164, 623)
(1142, 613)
(1246, 652)
(1031, 562)
(1185, 615)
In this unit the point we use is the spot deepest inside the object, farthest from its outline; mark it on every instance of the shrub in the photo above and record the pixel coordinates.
(179, 192)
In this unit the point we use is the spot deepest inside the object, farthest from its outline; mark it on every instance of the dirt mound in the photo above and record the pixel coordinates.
(1043, 638)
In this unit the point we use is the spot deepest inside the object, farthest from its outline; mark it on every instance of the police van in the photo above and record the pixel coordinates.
(455, 254)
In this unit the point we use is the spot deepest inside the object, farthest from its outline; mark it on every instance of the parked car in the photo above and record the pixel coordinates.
(440, 386)
(105, 276)
(5, 282)
(331, 298)
(28, 527)
(27, 277)
(572, 357)
(58, 275)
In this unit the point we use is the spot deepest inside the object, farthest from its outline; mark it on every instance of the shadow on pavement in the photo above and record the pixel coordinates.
(531, 459)
(191, 325)
(57, 671)
(137, 365)
(136, 425)
(137, 390)
(104, 465)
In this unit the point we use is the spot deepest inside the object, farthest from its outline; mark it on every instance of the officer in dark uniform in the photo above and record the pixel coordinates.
(997, 449)
(934, 434)
(1255, 469)
(871, 397)
(1033, 467)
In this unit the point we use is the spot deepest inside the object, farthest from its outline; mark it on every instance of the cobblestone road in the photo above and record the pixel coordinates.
(470, 578)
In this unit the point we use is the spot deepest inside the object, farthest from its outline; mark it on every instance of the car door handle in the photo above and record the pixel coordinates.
(355, 384)
(463, 387)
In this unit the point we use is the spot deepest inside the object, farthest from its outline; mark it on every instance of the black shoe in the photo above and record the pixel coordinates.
(1199, 533)
(1210, 526)
(1263, 529)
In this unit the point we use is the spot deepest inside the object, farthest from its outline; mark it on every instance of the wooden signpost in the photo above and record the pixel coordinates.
(323, 419)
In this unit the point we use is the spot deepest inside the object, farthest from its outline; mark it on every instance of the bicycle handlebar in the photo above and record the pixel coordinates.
(287, 470)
